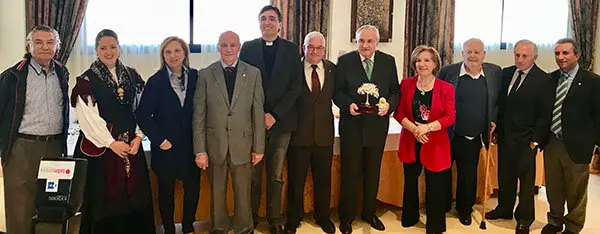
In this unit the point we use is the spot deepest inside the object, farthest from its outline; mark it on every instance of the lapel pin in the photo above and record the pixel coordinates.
(244, 74)
(579, 83)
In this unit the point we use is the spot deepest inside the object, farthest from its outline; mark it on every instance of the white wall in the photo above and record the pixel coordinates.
(12, 32)
(339, 32)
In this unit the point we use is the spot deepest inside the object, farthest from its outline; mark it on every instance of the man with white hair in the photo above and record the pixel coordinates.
(312, 142)
(524, 102)
(363, 135)
(476, 90)
(33, 122)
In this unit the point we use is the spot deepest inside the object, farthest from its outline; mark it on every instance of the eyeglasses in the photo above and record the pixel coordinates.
(315, 48)
(40, 44)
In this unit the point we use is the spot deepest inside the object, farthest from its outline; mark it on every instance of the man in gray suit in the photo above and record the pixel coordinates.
(229, 132)
(476, 90)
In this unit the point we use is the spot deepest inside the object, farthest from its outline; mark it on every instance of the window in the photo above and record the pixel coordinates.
(148, 22)
(541, 21)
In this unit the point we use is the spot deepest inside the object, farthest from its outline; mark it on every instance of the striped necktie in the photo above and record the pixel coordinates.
(561, 93)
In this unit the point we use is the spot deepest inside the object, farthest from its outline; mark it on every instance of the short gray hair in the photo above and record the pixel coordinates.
(530, 44)
(367, 26)
(42, 28)
(473, 40)
(314, 34)
(572, 41)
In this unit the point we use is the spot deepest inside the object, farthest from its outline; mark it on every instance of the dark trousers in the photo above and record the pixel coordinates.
(566, 181)
(516, 161)
(275, 150)
(435, 202)
(240, 181)
(20, 178)
(318, 158)
(465, 153)
(166, 205)
(131, 222)
(357, 160)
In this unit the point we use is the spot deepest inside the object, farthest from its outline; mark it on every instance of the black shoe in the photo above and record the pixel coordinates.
(522, 229)
(465, 219)
(326, 225)
(409, 223)
(375, 223)
(568, 232)
(276, 229)
(346, 227)
(551, 229)
(434, 232)
(290, 228)
(495, 214)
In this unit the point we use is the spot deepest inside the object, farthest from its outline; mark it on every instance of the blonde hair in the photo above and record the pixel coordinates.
(184, 46)
(435, 57)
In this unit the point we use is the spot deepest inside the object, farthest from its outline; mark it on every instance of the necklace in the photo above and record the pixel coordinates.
(424, 86)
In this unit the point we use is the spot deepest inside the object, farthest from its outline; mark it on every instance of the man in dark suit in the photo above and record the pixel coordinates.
(476, 86)
(280, 66)
(312, 142)
(229, 132)
(362, 136)
(574, 130)
(523, 121)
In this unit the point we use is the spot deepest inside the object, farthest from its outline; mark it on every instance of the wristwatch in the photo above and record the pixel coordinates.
(430, 127)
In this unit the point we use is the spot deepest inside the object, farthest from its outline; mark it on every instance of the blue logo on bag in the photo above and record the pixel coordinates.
(51, 185)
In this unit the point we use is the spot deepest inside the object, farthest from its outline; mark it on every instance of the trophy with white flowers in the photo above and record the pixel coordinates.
(368, 89)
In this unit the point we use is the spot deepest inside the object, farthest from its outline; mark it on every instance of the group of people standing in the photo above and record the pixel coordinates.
(262, 103)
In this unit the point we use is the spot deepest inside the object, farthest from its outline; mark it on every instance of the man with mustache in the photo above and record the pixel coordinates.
(574, 130)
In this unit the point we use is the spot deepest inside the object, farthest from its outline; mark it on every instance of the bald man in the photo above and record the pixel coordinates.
(229, 137)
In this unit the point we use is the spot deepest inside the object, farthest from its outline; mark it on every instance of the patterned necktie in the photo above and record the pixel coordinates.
(368, 67)
(561, 93)
(229, 69)
(516, 84)
(315, 83)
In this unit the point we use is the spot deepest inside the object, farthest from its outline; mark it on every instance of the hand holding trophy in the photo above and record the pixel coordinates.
(368, 89)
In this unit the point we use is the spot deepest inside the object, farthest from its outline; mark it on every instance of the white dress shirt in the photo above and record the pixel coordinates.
(308, 73)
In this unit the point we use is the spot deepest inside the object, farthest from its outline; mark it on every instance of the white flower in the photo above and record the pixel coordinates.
(368, 89)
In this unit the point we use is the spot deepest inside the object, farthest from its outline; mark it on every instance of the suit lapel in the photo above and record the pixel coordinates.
(219, 79)
(455, 73)
(328, 77)
(363, 73)
(240, 82)
(166, 82)
(191, 85)
(410, 94)
(278, 59)
(259, 52)
(576, 81)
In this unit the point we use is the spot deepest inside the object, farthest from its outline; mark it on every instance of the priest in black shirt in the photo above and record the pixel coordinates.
(279, 63)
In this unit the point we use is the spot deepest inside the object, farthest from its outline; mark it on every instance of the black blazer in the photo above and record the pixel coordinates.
(315, 118)
(525, 115)
(367, 130)
(580, 114)
(493, 79)
(284, 86)
(161, 116)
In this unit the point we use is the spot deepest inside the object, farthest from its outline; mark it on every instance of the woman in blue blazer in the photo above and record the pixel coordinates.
(165, 116)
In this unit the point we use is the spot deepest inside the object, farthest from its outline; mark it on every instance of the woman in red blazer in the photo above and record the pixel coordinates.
(426, 109)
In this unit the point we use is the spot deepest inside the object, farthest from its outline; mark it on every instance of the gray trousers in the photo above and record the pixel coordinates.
(565, 181)
(275, 151)
(20, 177)
(241, 181)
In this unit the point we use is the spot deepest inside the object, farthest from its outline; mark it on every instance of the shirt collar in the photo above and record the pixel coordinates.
(171, 73)
(526, 71)
(307, 65)
(38, 67)
(362, 58)
(463, 71)
(572, 72)
(225, 65)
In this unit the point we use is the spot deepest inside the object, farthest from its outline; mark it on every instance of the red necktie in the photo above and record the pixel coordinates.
(316, 84)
